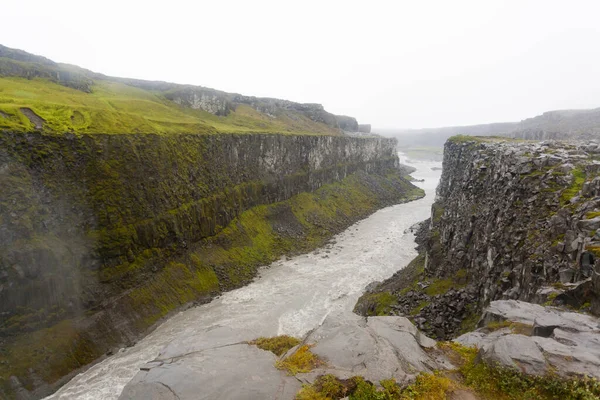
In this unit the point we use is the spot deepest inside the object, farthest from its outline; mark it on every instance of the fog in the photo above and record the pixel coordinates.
(389, 63)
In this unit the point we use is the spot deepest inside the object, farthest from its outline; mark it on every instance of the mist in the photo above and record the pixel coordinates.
(390, 64)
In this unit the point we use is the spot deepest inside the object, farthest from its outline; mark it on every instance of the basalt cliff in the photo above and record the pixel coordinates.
(123, 201)
(509, 262)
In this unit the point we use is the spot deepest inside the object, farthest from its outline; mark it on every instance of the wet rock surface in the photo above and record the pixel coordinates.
(376, 348)
(566, 343)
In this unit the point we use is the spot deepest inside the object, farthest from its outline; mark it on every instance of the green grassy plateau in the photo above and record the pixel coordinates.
(114, 107)
(70, 99)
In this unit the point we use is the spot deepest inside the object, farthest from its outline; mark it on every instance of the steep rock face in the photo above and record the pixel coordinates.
(516, 217)
(512, 220)
(102, 235)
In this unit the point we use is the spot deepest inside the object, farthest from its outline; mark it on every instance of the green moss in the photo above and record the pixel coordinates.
(440, 286)
(379, 303)
(592, 214)
(153, 223)
(419, 307)
(437, 210)
(278, 345)
(302, 361)
(594, 250)
(515, 327)
(425, 387)
(60, 349)
(575, 187)
(504, 383)
(469, 322)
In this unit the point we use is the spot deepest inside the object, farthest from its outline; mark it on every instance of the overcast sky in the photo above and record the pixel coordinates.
(406, 64)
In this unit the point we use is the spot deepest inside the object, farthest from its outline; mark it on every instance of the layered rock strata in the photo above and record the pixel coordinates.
(103, 235)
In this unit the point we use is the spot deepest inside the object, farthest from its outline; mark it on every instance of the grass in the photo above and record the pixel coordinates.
(471, 376)
(302, 361)
(576, 185)
(114, 107)
(227, 259)
(278, 345)
(515, 327)
(440, 286)
(425, 387)
(494, 382)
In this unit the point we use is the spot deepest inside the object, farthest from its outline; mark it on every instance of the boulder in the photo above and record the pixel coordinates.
(514, 351)
(565, 342)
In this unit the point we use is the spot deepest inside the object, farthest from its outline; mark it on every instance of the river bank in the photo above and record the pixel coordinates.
(290, 297)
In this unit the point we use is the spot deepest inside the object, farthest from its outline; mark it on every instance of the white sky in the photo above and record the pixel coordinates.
(405, 64)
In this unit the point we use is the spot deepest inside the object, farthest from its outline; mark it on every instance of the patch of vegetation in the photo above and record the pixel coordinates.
(437, 210)
(481, 139)
(425, 387)
(115, 107)
(379, 303)
(469, 322)
(419, 307)
(592, 214)
(327, 387)
(510, 384)
(595, 250)
(575, 187)
(302, 361)
(140, 248)
(441, 286)
(515, 327)
(278, 345)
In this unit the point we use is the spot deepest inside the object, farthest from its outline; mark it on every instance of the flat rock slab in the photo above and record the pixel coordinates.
(566, 342)
(528, 313)
(217, 365)
(376, 348)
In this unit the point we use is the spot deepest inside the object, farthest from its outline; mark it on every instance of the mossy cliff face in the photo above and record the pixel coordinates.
(102, 235)
(512, 220)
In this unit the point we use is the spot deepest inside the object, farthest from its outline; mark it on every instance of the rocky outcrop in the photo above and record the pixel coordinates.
(221, 103)
(516, 217)
(204, 366)
(346, 123)
(512, 220)
(103, 235)
(537, 340)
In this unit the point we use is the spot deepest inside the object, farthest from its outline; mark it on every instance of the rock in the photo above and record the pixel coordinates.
(205, 369)
(565, 342)
(566, 275)
(378, 348)
(515, 351)
(528, 313)
(589, 224)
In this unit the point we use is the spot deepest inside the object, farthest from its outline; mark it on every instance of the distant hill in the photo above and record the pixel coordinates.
(561, 124)
(39, 94)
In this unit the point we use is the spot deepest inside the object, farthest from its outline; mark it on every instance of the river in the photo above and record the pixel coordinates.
(291, 296)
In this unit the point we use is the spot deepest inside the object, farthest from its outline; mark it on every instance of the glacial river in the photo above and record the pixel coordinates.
(289, 297)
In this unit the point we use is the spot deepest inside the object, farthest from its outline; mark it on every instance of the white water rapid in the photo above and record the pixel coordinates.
(289, 297)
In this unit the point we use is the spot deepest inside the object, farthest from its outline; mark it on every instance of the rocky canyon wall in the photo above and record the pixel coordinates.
(103, 235)
(512, 220)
